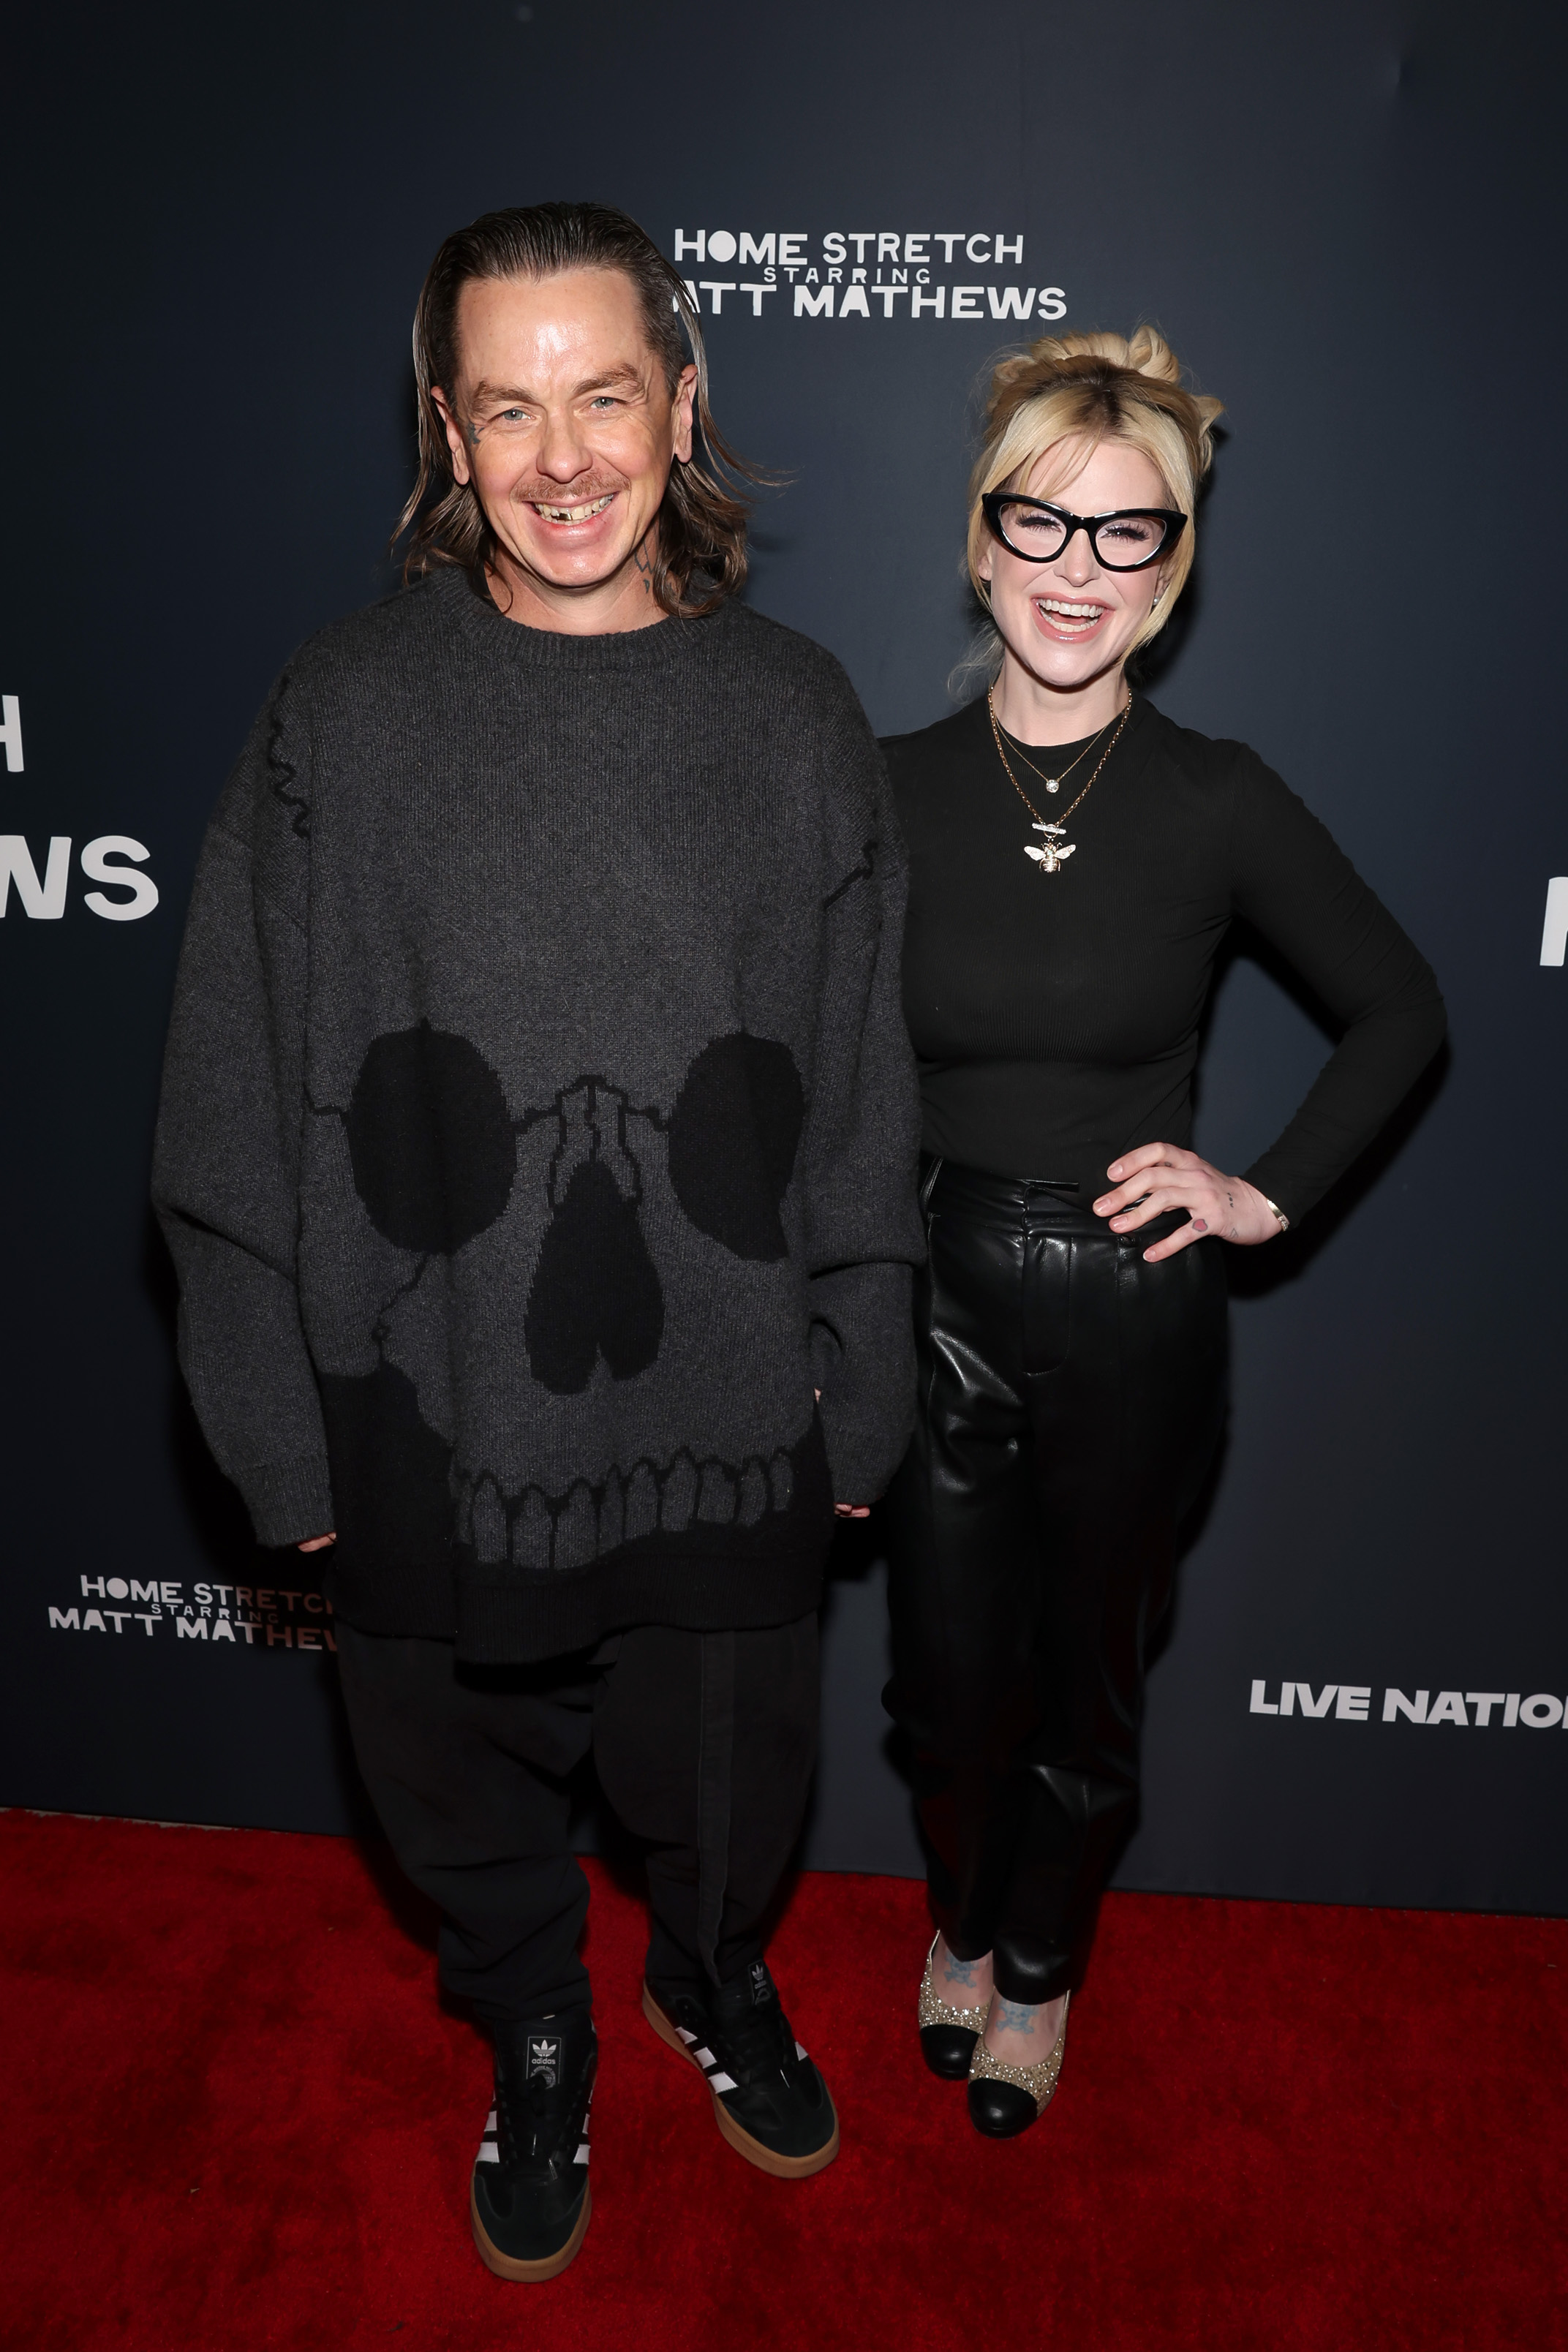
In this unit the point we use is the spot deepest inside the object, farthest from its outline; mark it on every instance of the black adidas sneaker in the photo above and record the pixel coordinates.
(528, 2202)
(768, 2101)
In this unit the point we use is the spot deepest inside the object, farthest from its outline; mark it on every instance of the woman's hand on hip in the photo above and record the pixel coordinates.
(1161, 1176)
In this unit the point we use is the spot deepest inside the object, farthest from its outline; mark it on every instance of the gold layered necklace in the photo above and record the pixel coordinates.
(1053, 851)
(1054, 784)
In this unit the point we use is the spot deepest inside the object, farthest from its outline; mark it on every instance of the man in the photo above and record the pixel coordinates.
(536, 1152)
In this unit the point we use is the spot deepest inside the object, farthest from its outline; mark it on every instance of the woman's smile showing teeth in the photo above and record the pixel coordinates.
(1068, 619)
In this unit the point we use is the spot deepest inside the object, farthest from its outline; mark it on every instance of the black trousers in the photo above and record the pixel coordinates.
(704, 1745)
(1070, 1399)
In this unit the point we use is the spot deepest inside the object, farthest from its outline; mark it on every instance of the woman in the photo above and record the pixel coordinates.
(1076, 861)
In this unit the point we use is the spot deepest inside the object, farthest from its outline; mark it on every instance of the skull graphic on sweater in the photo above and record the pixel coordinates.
(562, 1234)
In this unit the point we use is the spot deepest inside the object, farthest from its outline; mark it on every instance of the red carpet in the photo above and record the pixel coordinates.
(235, 2117)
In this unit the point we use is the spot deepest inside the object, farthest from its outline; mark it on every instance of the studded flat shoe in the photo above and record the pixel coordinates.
(1005, 2100)
(948, 2036)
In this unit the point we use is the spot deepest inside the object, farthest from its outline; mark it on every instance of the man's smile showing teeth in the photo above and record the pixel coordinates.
(573, 514)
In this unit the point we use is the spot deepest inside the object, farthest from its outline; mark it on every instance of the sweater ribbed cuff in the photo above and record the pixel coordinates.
(863, 1365)
(862, 1459)
(289, 1502)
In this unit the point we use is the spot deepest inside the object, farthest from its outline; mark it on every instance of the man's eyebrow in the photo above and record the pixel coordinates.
(483, 394)
(625, 373)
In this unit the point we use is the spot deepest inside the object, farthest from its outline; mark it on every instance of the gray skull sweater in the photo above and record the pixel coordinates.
(539, 1125)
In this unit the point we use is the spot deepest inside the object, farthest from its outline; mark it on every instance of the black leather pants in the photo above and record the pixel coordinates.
(1071, 1398)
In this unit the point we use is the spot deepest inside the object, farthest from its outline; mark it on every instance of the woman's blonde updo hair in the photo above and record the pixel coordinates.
(1083, 390)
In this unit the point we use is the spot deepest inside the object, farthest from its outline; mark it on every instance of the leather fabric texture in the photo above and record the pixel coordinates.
(1070, 1400)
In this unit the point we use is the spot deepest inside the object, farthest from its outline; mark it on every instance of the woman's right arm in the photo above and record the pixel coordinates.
(1291, 880)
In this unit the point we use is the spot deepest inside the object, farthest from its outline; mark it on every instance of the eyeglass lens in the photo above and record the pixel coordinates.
(1126, 539)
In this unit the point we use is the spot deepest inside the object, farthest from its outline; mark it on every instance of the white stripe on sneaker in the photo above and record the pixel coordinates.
(490, 2146)
(701, 2055)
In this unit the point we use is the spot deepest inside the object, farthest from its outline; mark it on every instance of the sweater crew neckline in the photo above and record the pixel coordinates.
(648, 652)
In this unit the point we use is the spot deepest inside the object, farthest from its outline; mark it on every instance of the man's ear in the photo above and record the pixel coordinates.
(456, 441)
(685, 399)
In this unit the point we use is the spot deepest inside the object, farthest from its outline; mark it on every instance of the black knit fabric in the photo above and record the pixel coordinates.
(1055, 1016)
(539, 1124)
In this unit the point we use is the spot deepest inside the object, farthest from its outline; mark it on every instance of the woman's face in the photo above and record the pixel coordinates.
(1069, 621)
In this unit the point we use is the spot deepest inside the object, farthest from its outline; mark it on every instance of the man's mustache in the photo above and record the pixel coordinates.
(569, 494)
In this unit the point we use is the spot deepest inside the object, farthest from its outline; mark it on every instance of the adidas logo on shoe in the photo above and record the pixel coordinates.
(545, 2058)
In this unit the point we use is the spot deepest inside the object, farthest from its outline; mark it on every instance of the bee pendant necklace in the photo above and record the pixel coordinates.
(1053, 852)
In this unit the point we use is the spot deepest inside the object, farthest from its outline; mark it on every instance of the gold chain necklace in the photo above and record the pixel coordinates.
(1053, 851)
(1055, 783)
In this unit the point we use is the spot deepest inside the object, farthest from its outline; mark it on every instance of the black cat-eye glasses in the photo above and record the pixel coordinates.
(1123, 541)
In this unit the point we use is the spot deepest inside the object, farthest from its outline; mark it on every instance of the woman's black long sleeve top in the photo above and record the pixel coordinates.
(1055, 1016)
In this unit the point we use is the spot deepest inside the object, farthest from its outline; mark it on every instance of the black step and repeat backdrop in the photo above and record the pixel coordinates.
(1346, 216)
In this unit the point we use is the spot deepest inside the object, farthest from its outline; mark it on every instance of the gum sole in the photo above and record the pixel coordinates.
(781, 2167)
(506, 2266)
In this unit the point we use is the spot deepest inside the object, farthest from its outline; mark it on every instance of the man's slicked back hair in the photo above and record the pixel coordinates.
(701, 553)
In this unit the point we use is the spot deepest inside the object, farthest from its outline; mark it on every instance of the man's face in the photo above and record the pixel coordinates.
(565, 425)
